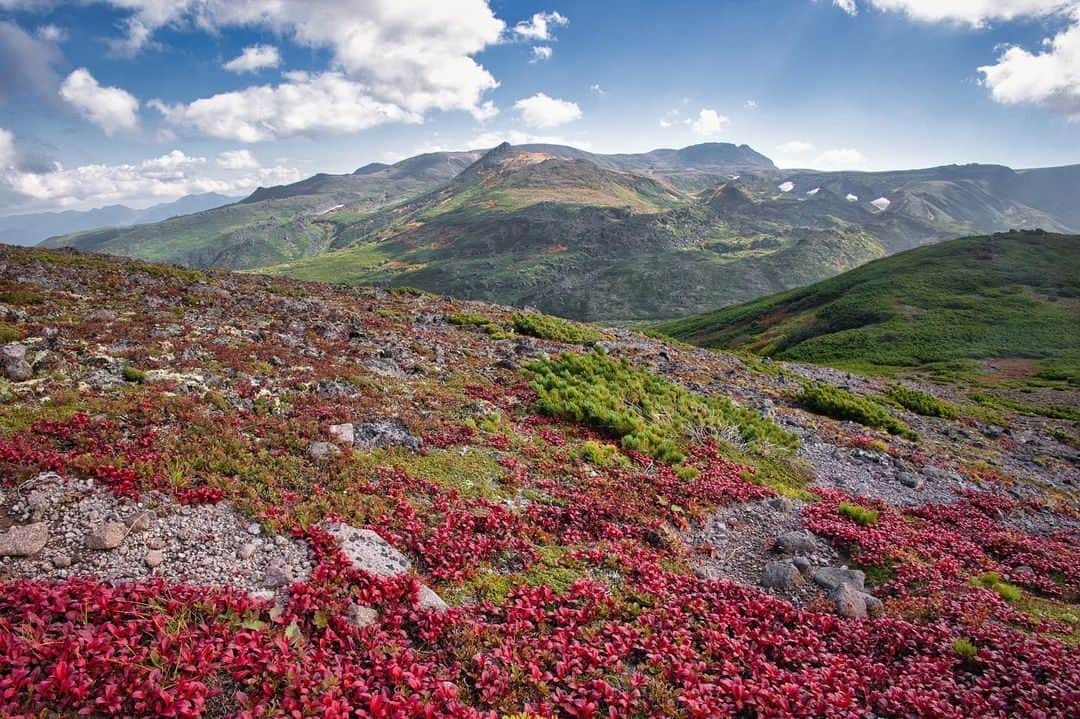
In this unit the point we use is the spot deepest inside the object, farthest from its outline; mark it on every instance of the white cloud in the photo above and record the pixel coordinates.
(708, 123)
(517, 137)
(670, 118)
(52, 33)
(845, 158)
(539, 26)
(750, 105)
(110, 108)
(329, 103)
(254, 58)
(1050, 79)
(414, 54)
(7, 149)
(540, 111)
(167, 177)
(976, 13)
(796, 147)
(847, 6)
(596, 89)
(237, 160)
(540, 53)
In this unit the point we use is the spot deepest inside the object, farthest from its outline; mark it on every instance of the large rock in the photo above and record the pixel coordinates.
(833, 577)
(376, 435)
(24, 540)
(781, 575)
(369, 552)
(322, 451)
(109, 535)
(342, 432)
(797, 543)
(18, 370)
(848, 600)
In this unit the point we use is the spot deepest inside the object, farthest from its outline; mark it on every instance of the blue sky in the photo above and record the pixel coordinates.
(142, 101)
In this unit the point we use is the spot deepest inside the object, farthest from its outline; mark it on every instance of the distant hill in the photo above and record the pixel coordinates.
(1006, 305)
(645, 236)
(30, 229)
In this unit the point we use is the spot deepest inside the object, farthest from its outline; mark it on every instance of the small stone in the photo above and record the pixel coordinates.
(361, 616)
(796, 543)
(109, 535)
(246, 550)
(154, 558)
(874, 606)
(254, 529)
(322, 451)
(848, 600)
(833, 577)
(803, 564)
(140, 521)
(343, 433)
(61, 561)
(155, 543)
(782, 504)
(277, 576)
(23, 540)
(781, 575)
(429, 600)
(911, 480)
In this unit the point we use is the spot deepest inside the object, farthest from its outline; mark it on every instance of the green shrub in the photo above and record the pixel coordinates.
(832, 401)
(472, 319)
(921, 402)
(647, 413)
(965, 649)
(10, 333)
(547, 327)
(997, 402)
(860, 515)
(133, 374)
(600, 453)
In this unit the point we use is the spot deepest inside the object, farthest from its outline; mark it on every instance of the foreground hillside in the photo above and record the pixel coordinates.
(238, 495)
(1005, 306)
(598, 237)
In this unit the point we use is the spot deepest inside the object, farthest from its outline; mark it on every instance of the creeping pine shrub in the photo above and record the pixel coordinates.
(647, 413)
(832, 401)
(860, 515)
(466, 319)
(547, 327)
(921, 402)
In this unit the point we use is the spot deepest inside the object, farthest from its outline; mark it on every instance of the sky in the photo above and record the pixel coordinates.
(143, 101)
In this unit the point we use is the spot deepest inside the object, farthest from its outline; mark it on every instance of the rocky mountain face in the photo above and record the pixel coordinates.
(233, 495)
(599, 237)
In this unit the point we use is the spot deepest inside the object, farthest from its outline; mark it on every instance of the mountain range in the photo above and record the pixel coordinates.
(620, 237)
(32, 228)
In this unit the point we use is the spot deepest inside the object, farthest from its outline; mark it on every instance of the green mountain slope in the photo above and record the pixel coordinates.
(273, 224)
(1006, 304)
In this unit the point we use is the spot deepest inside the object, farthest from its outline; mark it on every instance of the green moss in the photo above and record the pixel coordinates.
(993, 581)
(10, 333)
(838, 403)
(475, 474)
(601, 454)
(860, 515)
(552, 328)
(133, 374)
(921, 402)
(647, 413)
(490, 326)
(19, 296)
(965, 649)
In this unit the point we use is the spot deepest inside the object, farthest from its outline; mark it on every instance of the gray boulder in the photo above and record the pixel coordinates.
(797, 543)
(369, 552)
(833, 577)
(24, 540)
(109, 535)
(376, 435)
(848, 600)
(781, 575)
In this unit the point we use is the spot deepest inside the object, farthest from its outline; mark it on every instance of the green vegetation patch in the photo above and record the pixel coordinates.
(921, 402)
(993, 581)
(858, 514)
(998, 402)
(547, 327)
(472, 319)
(838, 403)
(647, 413)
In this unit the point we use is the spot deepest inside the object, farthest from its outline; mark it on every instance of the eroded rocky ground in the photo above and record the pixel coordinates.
(194, 443)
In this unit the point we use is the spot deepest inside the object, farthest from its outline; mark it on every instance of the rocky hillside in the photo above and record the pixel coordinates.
(599, 237)
(1002, 308)
(239, 495)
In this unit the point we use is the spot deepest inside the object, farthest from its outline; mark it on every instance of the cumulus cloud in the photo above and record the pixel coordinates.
(237, 160)
(110, 108)
(670, 118)
(540, 111)
(847, 6)
(1050, 78)
(539, 26)
(517, 137)
(52, 33)
(844, 158)
(7, 149)
(976, 13)
(596, 89)
(157, 179)
(254, 58)
(709, 123)
(540, 53)
(750, 105)
(27, 64)
(416, 55)
(329, 103)
(796, 147)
